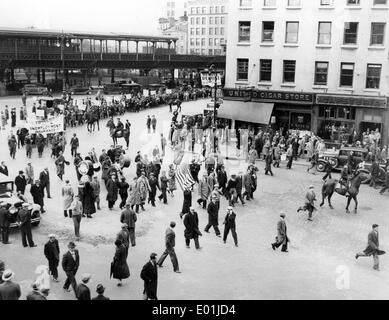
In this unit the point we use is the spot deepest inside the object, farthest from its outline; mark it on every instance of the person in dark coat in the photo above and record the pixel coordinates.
(153, 182)
(281, 238)
(123, 192)
(8, 289)
(24, 218)
(327, 170)
(222, 179)
(119, 266)
(3, 168)
(112, 188)
(4, 223)
(100, 293)
(129, 217)
(70, 264)
(374, 172)
(149, 275)
(13, 117)
(372, 248)
(44, 178)
(37, 194)
(229, 224)
(268, 162)
(124, 237)
(20, 182)
(164, 185)
(170, 243)
(191, 223)
(213, 217)
(40, 144)
(51, 252)
(187, 203)
(83, 292)
(88, 200)
(35, 294)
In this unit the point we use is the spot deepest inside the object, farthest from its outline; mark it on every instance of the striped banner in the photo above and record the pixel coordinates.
(184, 178)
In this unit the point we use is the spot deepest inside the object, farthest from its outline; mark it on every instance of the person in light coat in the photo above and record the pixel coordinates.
(281, 238)
(204, 191)
(67, 194)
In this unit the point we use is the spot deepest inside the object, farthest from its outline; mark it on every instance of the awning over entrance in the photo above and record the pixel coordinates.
(246, 111)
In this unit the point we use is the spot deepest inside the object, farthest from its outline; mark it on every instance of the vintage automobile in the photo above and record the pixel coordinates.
(112, 88)
(365, 168)
(80, 90)
(34, 89)
(14, 203)
(338, 158)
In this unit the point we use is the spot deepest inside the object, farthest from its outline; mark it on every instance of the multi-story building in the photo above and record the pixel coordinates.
(316, 65)
(207, 22)
(179, 30)
(176, 8)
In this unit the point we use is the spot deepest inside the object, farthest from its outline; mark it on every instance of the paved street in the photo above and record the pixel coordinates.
(320, 251)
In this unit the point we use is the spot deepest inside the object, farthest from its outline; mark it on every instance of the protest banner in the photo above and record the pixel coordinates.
(52, 125)
(40, 113)
(168, 91)
(153, 93)
(145, 92)
(82, 107)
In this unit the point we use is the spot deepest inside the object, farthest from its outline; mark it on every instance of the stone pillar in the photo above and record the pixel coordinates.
(38, 75)
(112, 75)
(43, 76)
(81, 49)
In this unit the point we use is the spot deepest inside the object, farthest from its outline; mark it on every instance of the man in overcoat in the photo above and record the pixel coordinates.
(70, 264)
(372, 248)
(229, 224)
(170, 243)
(20, 182)
(191, 223)
(112, 188)
(213, 217)
(149, 275)
(129, 217)
(51, 252)
(282, 238)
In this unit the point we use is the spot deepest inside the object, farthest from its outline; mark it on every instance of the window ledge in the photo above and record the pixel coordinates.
(324, 46)
(345, 89)
(349, 46)
(376, 48)
(294, 8)
(327, 7)
(380, 8)
(353, 7)
(245, 8)
(371, 90)
(290, 85)
(267, 84)
(243, 44)
(242, 82)
(269, 8)
(319, 86)
(267, 44)
(292, 45)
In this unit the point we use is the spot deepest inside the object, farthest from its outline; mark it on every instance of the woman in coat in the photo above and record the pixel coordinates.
(119, 266)
(172, 180)
(112, 188)
(67, 194)
(187, 203)
(88, 200)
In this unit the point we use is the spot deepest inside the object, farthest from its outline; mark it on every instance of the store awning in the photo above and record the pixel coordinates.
(246, 111)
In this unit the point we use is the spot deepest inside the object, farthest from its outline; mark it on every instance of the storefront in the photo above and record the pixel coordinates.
(278, 109)
(339, 116)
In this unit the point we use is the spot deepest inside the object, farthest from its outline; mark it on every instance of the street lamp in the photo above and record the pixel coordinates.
(63, 41)
(212, 71)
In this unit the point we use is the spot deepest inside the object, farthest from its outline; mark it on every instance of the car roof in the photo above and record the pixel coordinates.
(354, 149)
(4, 178)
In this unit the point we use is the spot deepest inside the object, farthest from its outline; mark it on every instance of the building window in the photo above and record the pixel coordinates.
(350, 33)
(203, 31)
(172, 13)
(210, 9)
(373, 76)
(378, 2)
(222, 20)
(192, 10)
(324, 35)
(198, 10)
(269, 3)
(292, 30)
(325, 2)
(197, 51)
(216, 42)
(289, 70)
(197, 31)
(210, 31)
(267, 31)
(216, 9)
(192, 20)
(216, 31)
(353, 2)
(192, 31)
(377, 34)
(198, 20)
(203, 20)
(203, 11)
(222, 9)
(197, 41)
(192, 42)
(203, 52)
(210, 20)
(294, 3)
(265, 70)
(210, 52)
(216, 20)
(346, 74)
(222, 31)
(246, 3)
(244, 31)
(210, 41)
(321, 73)
(203, 42)
(242, 73)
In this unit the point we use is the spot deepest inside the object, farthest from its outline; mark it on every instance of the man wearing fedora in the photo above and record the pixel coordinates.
(24, 218)
(310, 198)
(100, 293)
(191, 223)
(8, 289)
(372, 248)
(20, 182)
(281, 238)
(149, 275)
(229, 224)
(35, 294)
(170, 242)
(83, 292)
(124, 237)
(51, 252)
(70, 264)
(4, 222)
(129, 217)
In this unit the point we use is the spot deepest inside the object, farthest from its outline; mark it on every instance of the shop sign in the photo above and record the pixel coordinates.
(352, 101)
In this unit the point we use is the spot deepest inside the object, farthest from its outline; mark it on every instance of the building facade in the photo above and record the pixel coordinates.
(316, 65)
(207, 26)
(179, 29)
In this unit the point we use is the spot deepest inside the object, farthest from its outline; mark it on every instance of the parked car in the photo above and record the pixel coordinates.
(338, 158)
(34, 89)
(365, 167)
(80, 90)
(131, 87)
(14, 204)
(112, 88)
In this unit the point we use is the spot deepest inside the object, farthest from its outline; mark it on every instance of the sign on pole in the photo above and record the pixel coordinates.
(40, 113)
(209, 79)
(145, 92)
(153, 93)
(168, 91)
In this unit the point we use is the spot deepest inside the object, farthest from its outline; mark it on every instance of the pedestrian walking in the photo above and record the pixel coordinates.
(327, 170)
(28, 143)
(153, 122)
(5, 218)
(44, 178)
(13, 117)
(172, 180)
(281, 238)
(24, 218)
(386, 184)
(67, 194)
(51, 252)
(12, 143)
(170, 243)
(129, 217)
(74, 144)
(119, 266)
(29, 173)
(100, 293)
(310, 198)
(153, 183)
(77, 211)
(204, 191)
(96, 191)
(187, 201)
(148, 124)
(20, 182)
(372, 248)
(8, 289)
(213, 217)
(191, 223)
(314, 160)
(60, 164)
(163, 144)
(112, 188)
(124, 237)
(149, 275)
(230, 224)
(164, 186)
(268, 162)
(37, 193)
(289, 156)
(83, 292)
(70, 264)
(88, 200)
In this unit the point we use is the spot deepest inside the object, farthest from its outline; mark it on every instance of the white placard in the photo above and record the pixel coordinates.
(129, 96)
(153, 93)
(82, 107)
(61, 107)
(145, 92)
(43, 103)
(40, 113)
(52, 125)
(168, 91)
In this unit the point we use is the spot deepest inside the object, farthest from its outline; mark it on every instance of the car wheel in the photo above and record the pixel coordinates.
(321, 166)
